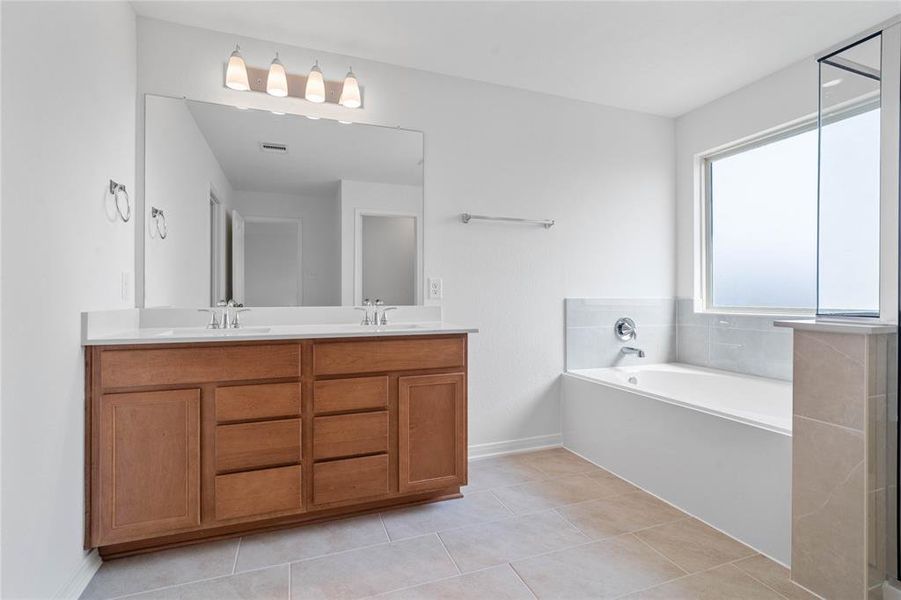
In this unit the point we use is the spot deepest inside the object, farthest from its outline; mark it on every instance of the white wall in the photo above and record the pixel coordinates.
(783, 97)
(370, 196)
(321, 238)
(605, 174)
(181, 170)
(68, 96)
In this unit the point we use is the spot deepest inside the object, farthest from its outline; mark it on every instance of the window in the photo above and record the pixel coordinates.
(760, 234)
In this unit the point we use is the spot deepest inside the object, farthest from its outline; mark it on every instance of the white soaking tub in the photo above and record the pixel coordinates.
(713, 443)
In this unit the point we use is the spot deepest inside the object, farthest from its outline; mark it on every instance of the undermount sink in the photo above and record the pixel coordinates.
(204, 332)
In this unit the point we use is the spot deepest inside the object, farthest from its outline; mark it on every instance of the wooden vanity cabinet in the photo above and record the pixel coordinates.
(191, 441)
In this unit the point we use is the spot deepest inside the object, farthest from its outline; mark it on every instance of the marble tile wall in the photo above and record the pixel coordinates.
(591, 343)
(841, 386)
(670, 331)
(741, 343)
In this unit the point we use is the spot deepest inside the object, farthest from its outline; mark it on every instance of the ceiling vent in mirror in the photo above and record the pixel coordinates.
(273, 147)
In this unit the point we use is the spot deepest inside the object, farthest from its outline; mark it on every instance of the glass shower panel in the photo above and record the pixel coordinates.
(848, 241)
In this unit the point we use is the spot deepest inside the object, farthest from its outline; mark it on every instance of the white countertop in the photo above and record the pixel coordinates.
(860, 326)
(185, 335)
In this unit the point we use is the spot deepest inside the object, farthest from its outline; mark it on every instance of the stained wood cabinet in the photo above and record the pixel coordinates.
(432, 431)
(148, 464)
(188, 441)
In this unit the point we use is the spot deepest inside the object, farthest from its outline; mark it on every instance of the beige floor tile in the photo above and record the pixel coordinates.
(604, 569)
(722, 583)
(475, 507)
(498, 583)
(266, 584)
(481, 546)
(160, 569)
(555, 462)
(693, 545)
(774, 575)
(502, 471)
(308, 541)
(540, 495)
(622, 514)
(369, 571)
(613, 485)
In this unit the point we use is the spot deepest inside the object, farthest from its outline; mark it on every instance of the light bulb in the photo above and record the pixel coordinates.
(350, 92)
(277, 81)
(315, 91)
(236, 73)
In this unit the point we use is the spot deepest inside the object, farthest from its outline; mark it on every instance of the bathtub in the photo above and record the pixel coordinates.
(713, 443)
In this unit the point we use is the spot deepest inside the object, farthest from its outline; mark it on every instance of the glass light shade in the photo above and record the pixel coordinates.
(277, 81)
(350, 92)
(236, 74)
(315, 91)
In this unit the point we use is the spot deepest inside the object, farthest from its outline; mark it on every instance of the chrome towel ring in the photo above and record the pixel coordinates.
(118, 191)
(159, 218)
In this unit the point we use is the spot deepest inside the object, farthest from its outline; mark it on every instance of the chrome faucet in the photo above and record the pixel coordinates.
(627, 350)
(224, 315)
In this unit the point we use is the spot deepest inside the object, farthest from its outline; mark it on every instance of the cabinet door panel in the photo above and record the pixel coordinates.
(431, 431)
(149, 474)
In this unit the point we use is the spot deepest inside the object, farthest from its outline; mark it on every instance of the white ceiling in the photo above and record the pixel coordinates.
(660, 57)
(320, 152)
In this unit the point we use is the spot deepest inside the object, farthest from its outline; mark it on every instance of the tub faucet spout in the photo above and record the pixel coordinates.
(630, 350)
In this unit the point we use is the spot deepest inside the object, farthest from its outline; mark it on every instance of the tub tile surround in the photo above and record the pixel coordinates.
(669, 330)
(611, 540)
(840, 476)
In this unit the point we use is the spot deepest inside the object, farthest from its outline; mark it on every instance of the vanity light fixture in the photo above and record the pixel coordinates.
(350, 92)
(277, 81)
(236, 74)
(315, 91)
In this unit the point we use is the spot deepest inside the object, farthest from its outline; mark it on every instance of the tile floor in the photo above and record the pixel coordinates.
(545, 524)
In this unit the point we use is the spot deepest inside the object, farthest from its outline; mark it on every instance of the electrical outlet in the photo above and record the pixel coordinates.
(436, 288)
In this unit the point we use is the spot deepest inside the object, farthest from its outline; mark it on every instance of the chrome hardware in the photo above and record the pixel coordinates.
(237, 309)
(384, 319)
(546, 223)
(214, 318)
(114, 189)
(159, 219)
(365, 308)
(223, 314)
(625, 329)
(627, 350)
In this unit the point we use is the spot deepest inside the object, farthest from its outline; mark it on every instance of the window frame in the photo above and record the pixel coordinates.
(705, 160)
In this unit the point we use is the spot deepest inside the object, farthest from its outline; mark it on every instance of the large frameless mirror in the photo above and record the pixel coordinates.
(278, 210)
(849, 132)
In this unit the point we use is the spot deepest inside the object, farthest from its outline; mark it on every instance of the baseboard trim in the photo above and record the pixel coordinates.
(515, 446)
(82, 577)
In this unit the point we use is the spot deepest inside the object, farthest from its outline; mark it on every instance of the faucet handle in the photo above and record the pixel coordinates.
(365, 309)
(214, 323)
(237, 310)
(384, 319)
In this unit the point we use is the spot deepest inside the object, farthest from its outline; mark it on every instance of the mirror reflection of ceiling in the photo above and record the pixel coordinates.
(866, 53)
(320, 152)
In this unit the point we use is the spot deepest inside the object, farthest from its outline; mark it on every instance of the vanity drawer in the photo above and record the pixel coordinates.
(341, 395)
(350, 435)
(338, 358)
(340, 480)
(197, 364)
(258, 493)
(249, 402)
(256, 445)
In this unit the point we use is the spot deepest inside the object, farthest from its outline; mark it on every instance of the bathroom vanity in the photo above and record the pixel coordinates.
(190, 440)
